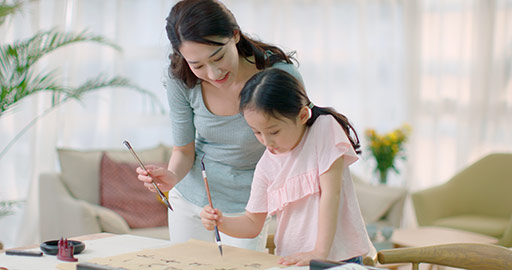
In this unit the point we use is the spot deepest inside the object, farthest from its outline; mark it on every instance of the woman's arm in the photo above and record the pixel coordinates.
(180, 163)
(246, 226)
(330, 189)
(181, 160)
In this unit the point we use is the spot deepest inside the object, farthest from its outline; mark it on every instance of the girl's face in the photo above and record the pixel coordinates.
(279, 135)
(217, 65)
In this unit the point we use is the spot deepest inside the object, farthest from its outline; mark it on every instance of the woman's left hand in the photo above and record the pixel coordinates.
(301, 259)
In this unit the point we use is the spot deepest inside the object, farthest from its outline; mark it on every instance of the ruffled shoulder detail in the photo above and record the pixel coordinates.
(294, 189)
(332, 143)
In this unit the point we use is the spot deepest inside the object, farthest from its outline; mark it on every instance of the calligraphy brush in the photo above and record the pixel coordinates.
(160, 193)
(217, 236)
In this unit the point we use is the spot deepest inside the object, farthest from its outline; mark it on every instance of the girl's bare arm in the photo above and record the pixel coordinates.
(246, 226)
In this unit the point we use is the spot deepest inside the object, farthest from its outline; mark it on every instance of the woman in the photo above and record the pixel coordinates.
(211, 61)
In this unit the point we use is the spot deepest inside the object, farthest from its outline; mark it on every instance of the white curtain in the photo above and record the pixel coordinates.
(444, 67)
(463, 102)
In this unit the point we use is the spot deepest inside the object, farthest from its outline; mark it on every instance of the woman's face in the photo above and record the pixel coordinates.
(217, 65)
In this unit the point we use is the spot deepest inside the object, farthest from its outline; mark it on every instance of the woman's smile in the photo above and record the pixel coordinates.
(223, 79)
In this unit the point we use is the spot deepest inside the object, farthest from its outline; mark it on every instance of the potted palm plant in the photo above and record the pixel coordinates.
(19, 77)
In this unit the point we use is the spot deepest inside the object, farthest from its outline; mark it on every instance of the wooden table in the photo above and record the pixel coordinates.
(428, 236)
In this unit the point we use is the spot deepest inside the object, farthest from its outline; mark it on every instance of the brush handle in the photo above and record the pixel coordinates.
(19, 252)
(217, 236)
(93, 266)
(207, 187)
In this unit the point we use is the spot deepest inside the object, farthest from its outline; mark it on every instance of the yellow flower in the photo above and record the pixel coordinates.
(386, 147)
(370, 133)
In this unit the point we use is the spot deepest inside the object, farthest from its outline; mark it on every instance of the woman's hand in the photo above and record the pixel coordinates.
(164, 178)
(301, 259)
(210, 217)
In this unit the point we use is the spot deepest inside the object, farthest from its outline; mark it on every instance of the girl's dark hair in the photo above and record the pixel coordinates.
(276, 93)
(197, 20)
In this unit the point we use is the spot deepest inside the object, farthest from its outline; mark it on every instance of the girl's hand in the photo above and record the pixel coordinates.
(301, 259)
(164, 178)
(210, 217)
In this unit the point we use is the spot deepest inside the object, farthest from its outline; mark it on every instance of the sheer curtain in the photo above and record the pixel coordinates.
(463, 103)
(441, 66)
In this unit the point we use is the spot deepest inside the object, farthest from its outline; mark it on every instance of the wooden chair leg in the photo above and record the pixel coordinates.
(270, 244)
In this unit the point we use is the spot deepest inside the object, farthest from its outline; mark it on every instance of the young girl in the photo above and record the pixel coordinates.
(302, 177)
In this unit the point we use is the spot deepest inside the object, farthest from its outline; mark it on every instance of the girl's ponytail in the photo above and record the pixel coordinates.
(341, 119)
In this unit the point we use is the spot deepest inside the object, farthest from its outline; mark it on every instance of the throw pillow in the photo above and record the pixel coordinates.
(81, 168)
(121, 191)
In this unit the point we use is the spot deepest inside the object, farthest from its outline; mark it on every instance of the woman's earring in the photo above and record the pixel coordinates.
(310, 113)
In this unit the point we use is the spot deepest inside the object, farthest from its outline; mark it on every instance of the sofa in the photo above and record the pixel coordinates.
(81, 197)
(476, 199)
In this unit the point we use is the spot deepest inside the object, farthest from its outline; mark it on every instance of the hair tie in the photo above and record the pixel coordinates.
(311, 105)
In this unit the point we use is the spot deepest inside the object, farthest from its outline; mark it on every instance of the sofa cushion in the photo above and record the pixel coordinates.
(122, 192)
(110, 221)
(375, 201)
(487, 225)
(81, 169)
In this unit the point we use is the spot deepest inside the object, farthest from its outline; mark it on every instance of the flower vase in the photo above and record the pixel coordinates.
(383, 176)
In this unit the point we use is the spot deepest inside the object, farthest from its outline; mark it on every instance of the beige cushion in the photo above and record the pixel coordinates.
(493, 226)
(376, 200)
(81, 169)
(111, 221)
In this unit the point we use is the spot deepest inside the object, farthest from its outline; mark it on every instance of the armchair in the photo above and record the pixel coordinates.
(477, 199)
(69, 201)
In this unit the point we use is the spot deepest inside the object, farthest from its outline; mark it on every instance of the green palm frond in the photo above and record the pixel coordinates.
(102, 81)
(77, 93)
(30, 50)
(17, 76)
(27, 85)
(8, 9)
(8, 207)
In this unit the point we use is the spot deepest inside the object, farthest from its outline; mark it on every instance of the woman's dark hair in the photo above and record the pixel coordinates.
(276, 93)
(197, 20)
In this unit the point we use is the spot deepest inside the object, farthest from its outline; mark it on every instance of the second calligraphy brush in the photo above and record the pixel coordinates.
(217, 235)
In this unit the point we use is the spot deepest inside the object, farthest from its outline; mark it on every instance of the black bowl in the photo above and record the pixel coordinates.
(52, 247)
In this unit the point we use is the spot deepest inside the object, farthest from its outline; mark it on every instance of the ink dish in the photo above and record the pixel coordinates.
(52, 247)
